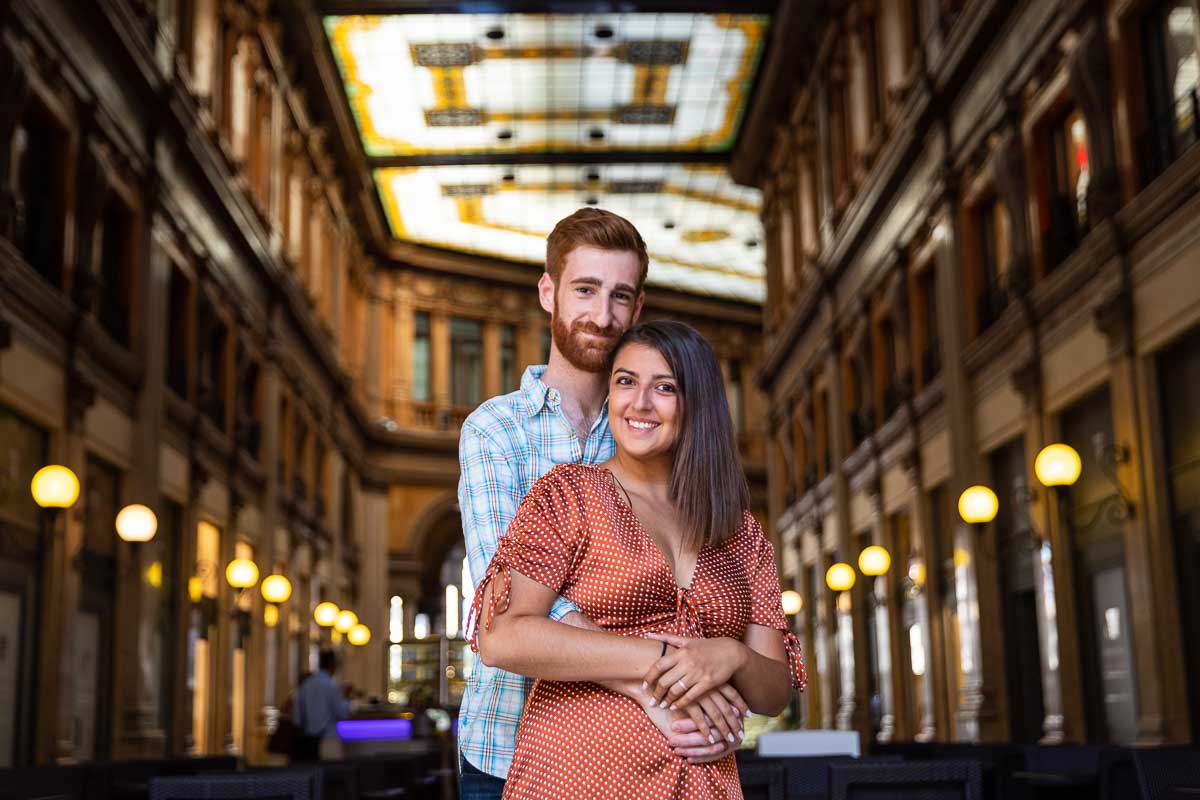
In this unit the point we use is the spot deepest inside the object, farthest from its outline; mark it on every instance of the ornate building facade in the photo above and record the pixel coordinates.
(982, 239)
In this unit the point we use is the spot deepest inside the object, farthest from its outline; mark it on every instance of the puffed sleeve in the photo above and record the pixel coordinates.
(766, 604)
(540, 544)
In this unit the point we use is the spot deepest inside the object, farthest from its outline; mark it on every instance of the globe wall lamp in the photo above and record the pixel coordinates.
(359, 635)
(276, 589)
(977, 505)
(325, 614)
(840, 577)
(136, 523)
(874, 561)
(242, 575)
(345, 621)
(792, 602)
(54, 488)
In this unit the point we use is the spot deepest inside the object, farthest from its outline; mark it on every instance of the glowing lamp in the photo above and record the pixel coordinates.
(242, 573)
(916, 572)
(276, 589)
(136, 523)
(195, 589)
(792, 602)
(1057, 465)
(270, 615)
(840, 577)
(325, 614)
(359, 635)
(978, 505)
(874, 560)
(54, 486)
(345, 621)
(154, 575)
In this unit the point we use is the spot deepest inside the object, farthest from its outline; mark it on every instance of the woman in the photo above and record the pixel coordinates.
(658, 547)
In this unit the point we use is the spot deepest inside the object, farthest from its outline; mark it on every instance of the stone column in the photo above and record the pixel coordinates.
(371, 365)
(137, 646)
(491, 359)
(1149, 549)
(404, 351)
(921, 534)
(373, 591)
(439, 359)
(1053, 630)
(976, 713)
(878, 595)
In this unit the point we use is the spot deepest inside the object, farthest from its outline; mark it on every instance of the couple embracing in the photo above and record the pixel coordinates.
(615, 558)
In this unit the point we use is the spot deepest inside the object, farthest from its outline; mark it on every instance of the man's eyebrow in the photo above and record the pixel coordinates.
(588, 281)
(625, 287)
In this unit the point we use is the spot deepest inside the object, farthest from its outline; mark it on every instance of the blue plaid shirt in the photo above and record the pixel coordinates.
(504, 447)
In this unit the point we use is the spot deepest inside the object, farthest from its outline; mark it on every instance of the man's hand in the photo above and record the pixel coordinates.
(687, 742)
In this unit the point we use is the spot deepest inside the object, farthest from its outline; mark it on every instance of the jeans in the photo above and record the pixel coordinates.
(475, 784)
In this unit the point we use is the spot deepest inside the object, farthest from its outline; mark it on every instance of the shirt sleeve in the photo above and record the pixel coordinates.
(766, 602)
(488, 498)
(540, 544)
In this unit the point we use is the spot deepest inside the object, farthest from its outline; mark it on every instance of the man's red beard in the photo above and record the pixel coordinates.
(582, 353)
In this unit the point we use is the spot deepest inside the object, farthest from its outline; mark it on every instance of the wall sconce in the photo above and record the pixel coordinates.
(840, 577)
(325, 614)
(1057, 465)
(359, 635)
(1109, 456)
(792, 602)
(136, 523)
(345, 621)
(874, 561)
(54, 488)
(977, 505)
(242, 574)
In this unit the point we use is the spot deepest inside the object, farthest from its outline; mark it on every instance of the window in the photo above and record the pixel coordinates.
(1170, 35)
(114, 299)
(466, 356)
(40, 155)
(178, 351)
(508, 358)
(733, 392)
(420, 380)
(1065, 214)
(396, 620)
(994, 256)
(930, 354)
(214, 338)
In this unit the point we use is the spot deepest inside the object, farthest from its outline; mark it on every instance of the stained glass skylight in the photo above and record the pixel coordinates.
(423, 84)
(702, 230)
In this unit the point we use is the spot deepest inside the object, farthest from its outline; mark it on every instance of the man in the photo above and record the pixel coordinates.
(319, 705)
(596, 266)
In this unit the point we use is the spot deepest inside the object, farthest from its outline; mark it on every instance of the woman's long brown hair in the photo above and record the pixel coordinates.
(708, 484)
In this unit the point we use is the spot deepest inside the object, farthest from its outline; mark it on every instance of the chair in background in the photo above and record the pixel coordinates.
(43, 783)
(1059, 772)
(130, 780)
(761, 778)
(997, 763)
(916, 780)
(283, 784)
(1168, 773)
(807, 777)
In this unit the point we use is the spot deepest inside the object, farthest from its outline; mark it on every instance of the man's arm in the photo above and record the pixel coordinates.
(488, 496)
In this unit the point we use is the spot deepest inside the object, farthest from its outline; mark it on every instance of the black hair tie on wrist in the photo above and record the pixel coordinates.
(664, 652)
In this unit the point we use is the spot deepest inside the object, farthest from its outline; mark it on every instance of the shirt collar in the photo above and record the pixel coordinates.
(536, 393)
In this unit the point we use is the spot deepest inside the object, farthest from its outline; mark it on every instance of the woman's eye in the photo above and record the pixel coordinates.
(666, 387)
(624, 381)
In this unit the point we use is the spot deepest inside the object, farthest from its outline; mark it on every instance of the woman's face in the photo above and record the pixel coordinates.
(643, 403)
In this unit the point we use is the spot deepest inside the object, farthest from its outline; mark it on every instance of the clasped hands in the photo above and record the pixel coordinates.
(689, 686)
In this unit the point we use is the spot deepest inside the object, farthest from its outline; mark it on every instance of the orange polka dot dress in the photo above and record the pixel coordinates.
(575, 533)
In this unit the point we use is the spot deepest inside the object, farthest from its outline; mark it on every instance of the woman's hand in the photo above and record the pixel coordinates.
(708, 730)
(693, 670)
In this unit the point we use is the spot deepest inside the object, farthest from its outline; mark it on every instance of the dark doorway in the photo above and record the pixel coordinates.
(1106, 641)
(1017, 549)
(1179, 390)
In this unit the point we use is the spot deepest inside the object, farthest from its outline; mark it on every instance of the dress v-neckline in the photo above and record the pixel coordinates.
(627, 505)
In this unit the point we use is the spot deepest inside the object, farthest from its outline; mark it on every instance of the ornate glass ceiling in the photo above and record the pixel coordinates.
(568, 87)
(701, 229)
(484, 83)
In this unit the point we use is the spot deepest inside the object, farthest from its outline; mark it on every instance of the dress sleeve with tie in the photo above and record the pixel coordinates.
(766, 603)
(540, 544)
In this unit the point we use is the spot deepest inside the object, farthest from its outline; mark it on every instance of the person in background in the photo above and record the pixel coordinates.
(320, 704)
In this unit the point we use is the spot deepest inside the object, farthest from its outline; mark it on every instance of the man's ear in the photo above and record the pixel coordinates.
(546, 289)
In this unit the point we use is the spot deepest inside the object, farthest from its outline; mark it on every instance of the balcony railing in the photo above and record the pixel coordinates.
(861, 426)
(1169, 134)
(895, 395)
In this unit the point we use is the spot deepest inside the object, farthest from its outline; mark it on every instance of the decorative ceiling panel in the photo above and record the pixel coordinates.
(433, 84)
(702, 230)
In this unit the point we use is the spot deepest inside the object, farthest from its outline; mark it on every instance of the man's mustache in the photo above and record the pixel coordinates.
(610, 332)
